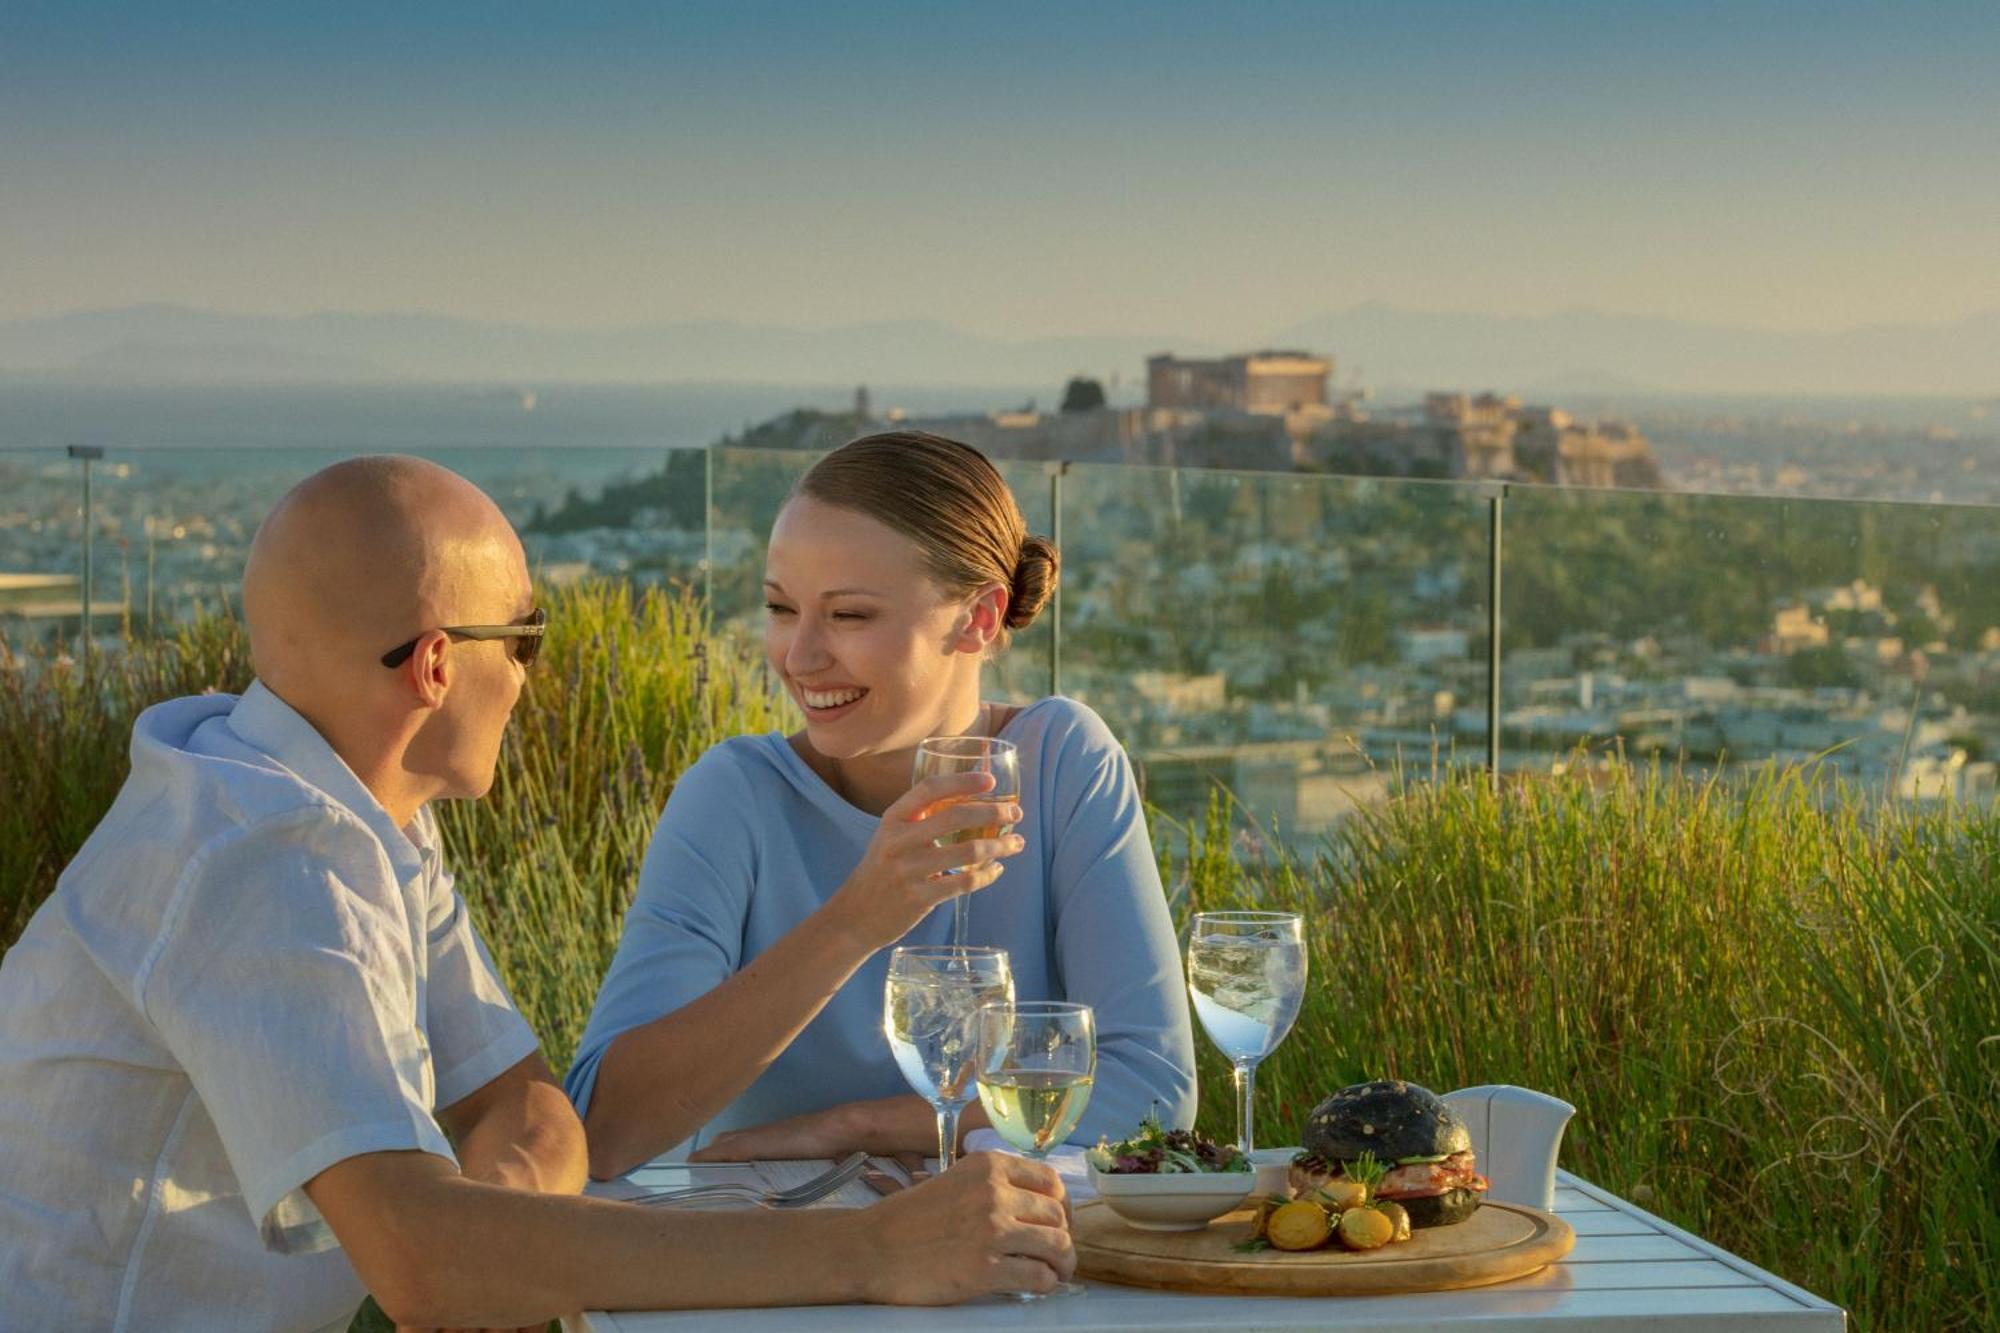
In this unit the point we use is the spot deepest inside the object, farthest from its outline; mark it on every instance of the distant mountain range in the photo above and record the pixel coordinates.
(1381, 346)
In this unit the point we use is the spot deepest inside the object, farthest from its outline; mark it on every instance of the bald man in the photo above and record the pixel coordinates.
(254, 1059)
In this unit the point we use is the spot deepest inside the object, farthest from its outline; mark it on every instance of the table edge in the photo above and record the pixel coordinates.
(1713, 1251)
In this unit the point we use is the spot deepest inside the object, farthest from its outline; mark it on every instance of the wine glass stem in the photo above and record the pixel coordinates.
(1246, 1096)
(947, 1118)
(961, 916)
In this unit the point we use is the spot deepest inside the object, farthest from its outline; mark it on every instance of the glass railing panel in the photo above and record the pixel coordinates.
(1294, 638)
(1725, 630)
(41, 546)
(750, 486)
(635, 515)
(1022, 672)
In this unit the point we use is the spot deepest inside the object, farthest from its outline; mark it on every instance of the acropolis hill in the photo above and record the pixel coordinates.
(1271, 410)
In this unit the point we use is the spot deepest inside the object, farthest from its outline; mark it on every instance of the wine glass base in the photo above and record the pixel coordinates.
(1059, 1290)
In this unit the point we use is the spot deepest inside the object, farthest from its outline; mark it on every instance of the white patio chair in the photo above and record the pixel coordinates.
(1515, 1135)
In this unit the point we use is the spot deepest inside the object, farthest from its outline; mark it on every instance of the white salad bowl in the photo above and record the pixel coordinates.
(1180, 1201)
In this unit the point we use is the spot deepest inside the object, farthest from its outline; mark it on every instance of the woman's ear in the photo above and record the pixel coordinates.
(984, 622)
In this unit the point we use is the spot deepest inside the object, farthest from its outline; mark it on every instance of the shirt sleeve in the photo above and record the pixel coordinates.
(476, 1033)
(683, 934)
(1115, 946)
(285, 984)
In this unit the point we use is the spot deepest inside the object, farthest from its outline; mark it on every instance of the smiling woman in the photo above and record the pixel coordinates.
(742, 1015)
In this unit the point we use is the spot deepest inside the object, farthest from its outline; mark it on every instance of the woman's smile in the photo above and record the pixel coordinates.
(828, 703)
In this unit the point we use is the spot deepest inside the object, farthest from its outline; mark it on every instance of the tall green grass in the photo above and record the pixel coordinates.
(635, 689)
(65, 739)
(1774, 1005)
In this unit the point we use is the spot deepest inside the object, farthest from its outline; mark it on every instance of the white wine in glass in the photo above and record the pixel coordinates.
(971, 754)
(1037, 1061)
(1035, 1109)
(930, 1002)
(1247, 977)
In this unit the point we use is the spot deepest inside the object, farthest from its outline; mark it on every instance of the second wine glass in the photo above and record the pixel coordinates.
(971, 754)
(1037, 1061)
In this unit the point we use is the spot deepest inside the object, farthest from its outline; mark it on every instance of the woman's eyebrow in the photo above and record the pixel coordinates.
(778, 587)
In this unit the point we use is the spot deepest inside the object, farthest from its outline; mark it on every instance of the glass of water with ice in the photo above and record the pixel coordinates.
(1247, 976)
(929, 1008)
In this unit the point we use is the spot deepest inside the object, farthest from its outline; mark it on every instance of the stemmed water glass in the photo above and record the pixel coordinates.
(971, 754)
(1247, 977)
(1037, 1060)
(929, 1005)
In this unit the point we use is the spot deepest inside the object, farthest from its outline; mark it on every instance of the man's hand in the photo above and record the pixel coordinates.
(992, 1223)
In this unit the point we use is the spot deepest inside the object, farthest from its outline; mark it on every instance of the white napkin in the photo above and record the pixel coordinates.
(1067, 1160)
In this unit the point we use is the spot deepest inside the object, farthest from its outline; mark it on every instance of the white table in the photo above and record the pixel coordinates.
(1629, 1273)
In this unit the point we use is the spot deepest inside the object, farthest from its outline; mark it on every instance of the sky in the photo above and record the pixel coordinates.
(1018, 169)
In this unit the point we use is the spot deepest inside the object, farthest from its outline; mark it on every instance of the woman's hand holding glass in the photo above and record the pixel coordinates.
(912, 864)
(972, 754)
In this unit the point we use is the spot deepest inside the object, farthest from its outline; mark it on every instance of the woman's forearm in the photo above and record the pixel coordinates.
(660, 1082)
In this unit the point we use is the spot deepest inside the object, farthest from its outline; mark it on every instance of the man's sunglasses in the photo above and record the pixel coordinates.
(527, 638)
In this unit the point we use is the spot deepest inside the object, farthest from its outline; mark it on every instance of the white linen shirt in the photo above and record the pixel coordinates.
(247, 974)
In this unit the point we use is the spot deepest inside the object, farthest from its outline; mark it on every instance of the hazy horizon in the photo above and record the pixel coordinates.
(1032, 173)
(1248, 343)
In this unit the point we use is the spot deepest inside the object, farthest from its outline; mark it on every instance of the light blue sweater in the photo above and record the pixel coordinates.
(753, 841)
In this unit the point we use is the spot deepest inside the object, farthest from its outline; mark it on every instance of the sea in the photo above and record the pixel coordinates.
(584, 436)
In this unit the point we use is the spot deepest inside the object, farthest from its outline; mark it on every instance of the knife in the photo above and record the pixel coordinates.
(881, 1181)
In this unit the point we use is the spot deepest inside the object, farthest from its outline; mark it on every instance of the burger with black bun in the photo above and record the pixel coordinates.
(1399, 1140)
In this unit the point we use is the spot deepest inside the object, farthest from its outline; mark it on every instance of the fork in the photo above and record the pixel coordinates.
(798, 1196)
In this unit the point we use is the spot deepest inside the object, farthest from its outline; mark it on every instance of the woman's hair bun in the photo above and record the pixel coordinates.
(1035, 574)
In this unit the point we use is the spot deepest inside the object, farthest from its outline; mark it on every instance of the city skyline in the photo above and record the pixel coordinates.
(1028, 174)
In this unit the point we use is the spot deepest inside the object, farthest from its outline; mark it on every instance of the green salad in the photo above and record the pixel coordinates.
(1157, 1151)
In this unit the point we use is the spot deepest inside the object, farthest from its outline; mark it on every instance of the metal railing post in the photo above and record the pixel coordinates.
(1496, 510)
(86, 454)
(1056, 473)
(708, 531)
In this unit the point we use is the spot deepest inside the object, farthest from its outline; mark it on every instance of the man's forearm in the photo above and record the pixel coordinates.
(440, 1250)
(496, 1257)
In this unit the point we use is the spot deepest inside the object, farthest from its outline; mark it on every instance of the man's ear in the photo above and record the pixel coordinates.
(985, 618)
(429, 669)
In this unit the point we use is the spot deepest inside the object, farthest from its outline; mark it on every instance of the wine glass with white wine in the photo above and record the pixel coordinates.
(1037, 1061)
(1247, 977)
(971, 754)
(929, 1005)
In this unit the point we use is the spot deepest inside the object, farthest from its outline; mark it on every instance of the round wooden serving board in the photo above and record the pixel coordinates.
(1499, 1242)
